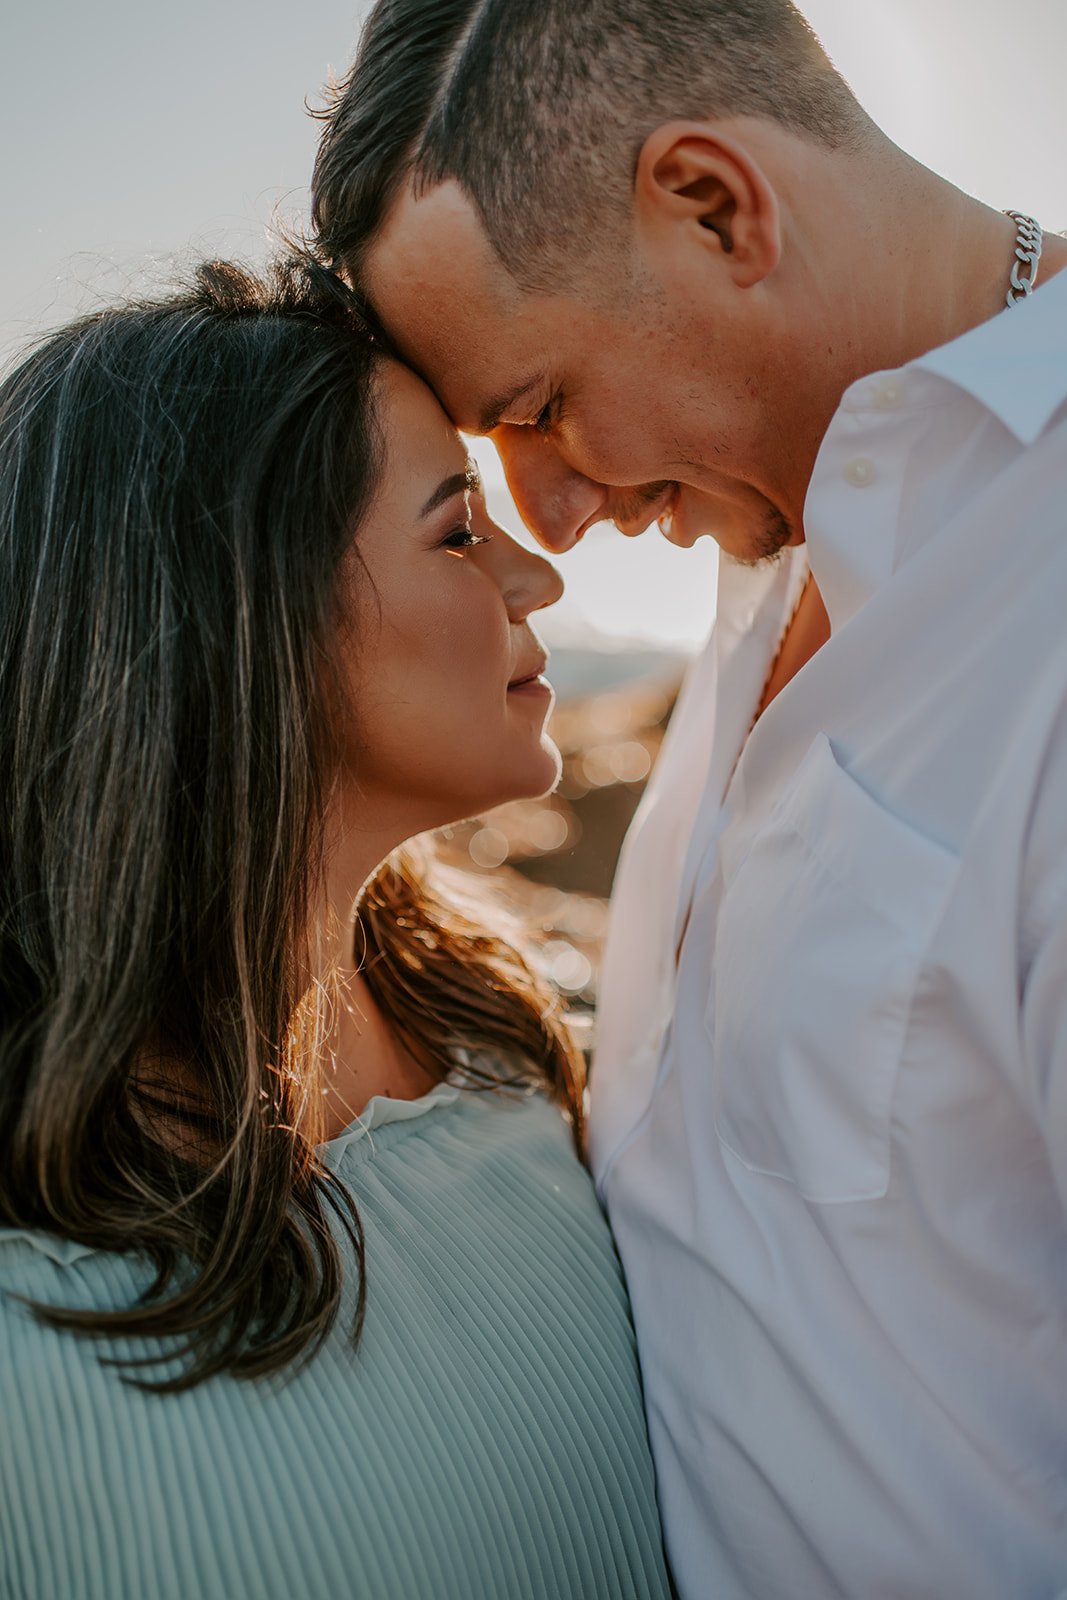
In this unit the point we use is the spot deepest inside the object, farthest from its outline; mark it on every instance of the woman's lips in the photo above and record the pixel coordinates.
(531, 681)
(531, 686)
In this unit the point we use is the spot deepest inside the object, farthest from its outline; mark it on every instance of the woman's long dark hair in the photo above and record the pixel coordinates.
(179, 482)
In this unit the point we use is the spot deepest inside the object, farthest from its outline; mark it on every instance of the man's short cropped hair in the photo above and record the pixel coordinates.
(539, 109)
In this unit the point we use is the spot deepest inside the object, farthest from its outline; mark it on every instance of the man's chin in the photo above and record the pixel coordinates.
(691, 516)
(682, 537)
(748, 534)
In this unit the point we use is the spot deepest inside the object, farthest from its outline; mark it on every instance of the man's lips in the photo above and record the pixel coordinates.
(664, 511)
(631, 519)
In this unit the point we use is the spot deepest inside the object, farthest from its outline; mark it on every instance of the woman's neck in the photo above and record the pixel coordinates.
(363, 1054)
(364, 1058)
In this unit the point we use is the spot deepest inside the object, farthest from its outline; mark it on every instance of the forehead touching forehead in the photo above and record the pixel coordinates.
(450, 307)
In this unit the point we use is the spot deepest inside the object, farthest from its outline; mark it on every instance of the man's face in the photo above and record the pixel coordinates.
(642, 407)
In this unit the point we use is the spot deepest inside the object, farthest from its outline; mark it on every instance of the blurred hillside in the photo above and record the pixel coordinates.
(552, 861)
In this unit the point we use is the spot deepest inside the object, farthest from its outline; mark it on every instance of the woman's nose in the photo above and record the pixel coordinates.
(555, 502)
(527, 581)
(542, 584)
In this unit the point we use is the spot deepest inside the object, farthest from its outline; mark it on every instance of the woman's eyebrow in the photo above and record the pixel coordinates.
(468, 482)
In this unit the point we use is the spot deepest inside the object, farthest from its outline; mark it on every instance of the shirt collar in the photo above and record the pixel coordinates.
(1014, 366)
(1016, 363)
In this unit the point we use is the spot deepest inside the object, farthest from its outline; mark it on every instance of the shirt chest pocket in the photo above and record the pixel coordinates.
(822, 932)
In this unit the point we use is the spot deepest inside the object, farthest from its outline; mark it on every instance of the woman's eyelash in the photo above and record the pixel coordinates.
(464, 539)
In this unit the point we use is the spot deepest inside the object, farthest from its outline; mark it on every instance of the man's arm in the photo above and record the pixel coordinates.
(1044, 1035)
(1043, 952)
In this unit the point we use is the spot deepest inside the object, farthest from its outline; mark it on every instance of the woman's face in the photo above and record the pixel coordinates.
(449, 707)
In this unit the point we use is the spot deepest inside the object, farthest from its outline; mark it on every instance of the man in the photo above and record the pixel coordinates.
(656, 243)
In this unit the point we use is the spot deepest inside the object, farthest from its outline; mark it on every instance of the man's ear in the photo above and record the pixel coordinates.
(692, 177)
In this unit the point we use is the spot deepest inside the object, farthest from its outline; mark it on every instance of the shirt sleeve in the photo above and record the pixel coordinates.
(1043, 951)
(1044, 1033)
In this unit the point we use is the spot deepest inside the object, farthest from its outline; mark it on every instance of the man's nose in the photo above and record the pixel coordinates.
(555, 502)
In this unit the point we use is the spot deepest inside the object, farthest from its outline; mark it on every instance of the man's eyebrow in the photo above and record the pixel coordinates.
(496, 410)
(468, 482)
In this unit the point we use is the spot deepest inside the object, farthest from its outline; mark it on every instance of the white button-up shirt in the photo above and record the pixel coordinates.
(829, 1115)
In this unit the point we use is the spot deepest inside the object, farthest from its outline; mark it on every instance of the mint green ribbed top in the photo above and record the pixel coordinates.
(485, 1442)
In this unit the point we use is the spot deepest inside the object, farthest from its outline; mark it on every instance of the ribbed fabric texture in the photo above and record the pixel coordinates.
(485, 1442)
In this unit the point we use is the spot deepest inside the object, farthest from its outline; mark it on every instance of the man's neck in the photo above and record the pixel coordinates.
(892, 261)
(931, 264)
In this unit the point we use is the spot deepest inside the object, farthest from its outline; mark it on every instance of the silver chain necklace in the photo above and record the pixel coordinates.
(1027, 255)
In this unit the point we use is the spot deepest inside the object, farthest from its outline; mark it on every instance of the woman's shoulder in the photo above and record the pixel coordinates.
(471, 1163)
(489, 1180)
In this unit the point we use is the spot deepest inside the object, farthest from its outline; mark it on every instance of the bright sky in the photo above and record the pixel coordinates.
(134, 133)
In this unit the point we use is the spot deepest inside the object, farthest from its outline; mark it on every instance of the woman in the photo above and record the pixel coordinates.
(303, 1290)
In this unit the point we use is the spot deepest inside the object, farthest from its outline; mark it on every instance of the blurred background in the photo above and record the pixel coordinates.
(137, 136)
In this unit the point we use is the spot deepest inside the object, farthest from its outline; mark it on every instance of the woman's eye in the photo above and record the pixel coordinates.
(464, 539)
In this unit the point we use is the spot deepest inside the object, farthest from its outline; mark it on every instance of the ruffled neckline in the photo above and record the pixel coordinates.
(381, 1110)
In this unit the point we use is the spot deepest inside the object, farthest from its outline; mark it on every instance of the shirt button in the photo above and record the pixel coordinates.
(860, 472)
(889, 394)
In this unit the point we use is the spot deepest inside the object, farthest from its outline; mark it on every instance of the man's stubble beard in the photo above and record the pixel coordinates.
(769, 539)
